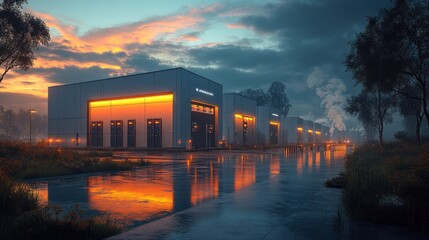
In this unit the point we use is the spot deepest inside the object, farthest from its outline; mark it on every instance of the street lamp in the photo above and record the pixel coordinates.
(30, 111)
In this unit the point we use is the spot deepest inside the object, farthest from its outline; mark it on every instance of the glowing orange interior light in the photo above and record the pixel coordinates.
(248, 118)
(310, 131)
(132, 101)
(238, 116)
(299, 129)
(274, 123)
(317, 132)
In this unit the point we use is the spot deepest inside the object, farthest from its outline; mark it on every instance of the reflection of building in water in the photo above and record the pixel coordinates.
(41, 189)
(245, 173)
(138, 200)
(317, 155)
(299, 163)
(205, 184)
(328, 157)
(275, 164)
(310, 158)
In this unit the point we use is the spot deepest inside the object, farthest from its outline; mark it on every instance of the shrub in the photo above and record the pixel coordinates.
(388, 184)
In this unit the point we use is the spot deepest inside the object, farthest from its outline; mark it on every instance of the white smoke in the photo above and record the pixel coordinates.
(331, 91)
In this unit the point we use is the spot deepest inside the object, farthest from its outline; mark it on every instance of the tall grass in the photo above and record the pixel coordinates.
(22, 216)
(24, 161)
(389, 184)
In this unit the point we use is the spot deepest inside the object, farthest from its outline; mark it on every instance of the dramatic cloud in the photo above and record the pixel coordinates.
(239, 44)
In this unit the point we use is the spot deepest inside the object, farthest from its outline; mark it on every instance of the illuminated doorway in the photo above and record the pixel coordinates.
(203, 128)
(154, 133)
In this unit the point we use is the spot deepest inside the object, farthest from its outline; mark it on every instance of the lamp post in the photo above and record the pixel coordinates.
(30, 111)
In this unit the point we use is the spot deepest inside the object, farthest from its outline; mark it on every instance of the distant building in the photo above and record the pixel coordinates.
(239, 119)
(294, 131)
(268, 120)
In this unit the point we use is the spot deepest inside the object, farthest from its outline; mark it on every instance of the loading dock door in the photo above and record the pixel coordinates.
(131, 133)
(96, 134)
(154, 133)
(274, 136)
(245, 131)
(116, 133)
(203, 128)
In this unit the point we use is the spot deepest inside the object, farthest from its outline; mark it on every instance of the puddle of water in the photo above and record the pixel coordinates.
(182, 181)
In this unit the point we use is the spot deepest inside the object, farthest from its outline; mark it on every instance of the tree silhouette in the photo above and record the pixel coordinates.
(20, 34)
(373, 108)
(392, 53)
(277, 97)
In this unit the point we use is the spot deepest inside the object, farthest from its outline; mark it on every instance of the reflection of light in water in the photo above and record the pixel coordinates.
(205, 186)
(299, 163)
(275, 165)
(245, 173)
(317, 159)
(137, 199)
(328, 157)
(41, 189)
(310, 159)
(340, 152)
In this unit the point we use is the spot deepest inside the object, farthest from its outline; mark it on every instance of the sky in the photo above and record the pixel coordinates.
(240, 44)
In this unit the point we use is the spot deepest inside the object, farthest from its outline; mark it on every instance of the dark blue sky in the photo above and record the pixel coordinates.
(239, 44)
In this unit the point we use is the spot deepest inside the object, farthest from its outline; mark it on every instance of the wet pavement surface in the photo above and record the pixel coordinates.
(221, 195)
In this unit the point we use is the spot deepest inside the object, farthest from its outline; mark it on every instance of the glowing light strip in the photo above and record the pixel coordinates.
(310, 131)
(132, 101)
(274, 123)
(299, 129)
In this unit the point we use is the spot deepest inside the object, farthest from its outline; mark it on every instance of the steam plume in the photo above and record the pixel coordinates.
(330, 90)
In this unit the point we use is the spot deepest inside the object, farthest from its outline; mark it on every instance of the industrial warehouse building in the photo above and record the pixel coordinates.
(163, 109)
(239, 119)
(268, 125)
(173, 108)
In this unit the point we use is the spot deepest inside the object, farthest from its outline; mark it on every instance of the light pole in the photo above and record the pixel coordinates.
(30, 111)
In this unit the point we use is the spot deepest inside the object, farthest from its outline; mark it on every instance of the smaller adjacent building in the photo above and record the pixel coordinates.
(325, 134)
(294, 130)
(308, 132)
(317, 133)
(239, 119)
(268, 125)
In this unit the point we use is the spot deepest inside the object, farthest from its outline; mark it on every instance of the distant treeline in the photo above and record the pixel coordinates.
(15, 125)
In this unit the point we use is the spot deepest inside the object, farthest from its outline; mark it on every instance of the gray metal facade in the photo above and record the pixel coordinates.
(236, 104)
(68, 104)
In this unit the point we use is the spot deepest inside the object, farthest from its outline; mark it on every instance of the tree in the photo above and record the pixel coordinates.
(373, 108)
(20, 34)
(277, 97)
(256, 94)
(392, 53)
(412, 107)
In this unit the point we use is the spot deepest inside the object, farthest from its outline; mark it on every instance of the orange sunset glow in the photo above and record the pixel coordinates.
(137, 199)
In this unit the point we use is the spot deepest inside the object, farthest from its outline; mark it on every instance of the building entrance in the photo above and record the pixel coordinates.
(274, 133)
(203, 128)
(154, 133)
(97, 134)
(131, 133)
(116, 133)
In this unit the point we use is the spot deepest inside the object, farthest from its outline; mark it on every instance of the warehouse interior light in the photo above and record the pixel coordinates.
(132, 101)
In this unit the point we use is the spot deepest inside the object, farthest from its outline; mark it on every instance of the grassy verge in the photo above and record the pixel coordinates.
(388, 184)
(23, 161)
(22, 216)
